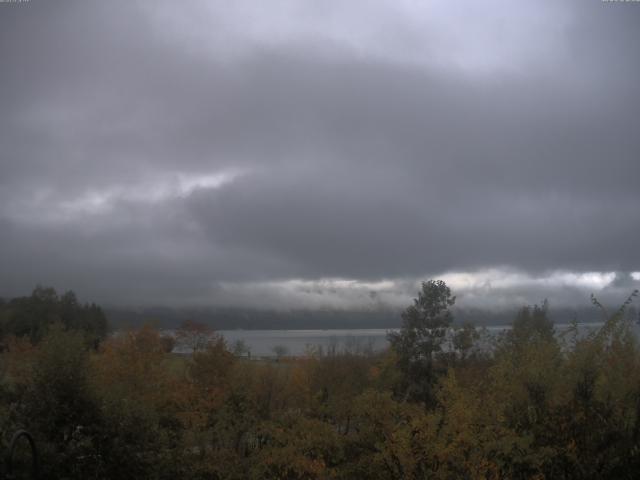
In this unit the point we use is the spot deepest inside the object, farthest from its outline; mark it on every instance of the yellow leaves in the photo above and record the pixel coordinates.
(468, 435)
(300, 384)
(298, 449)
(18, 360)
(336, 416)
(210, 368)
(284, 466)
(132, 368)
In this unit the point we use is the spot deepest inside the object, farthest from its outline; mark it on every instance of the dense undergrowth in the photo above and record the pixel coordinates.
(536, 405)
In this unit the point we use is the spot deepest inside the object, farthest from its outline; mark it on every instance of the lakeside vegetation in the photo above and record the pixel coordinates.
(536, 405)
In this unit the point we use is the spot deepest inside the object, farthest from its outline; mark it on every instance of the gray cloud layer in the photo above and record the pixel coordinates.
(161, 152)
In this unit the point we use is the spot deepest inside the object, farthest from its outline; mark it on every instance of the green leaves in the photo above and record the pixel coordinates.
(32, 316)
(424, 329)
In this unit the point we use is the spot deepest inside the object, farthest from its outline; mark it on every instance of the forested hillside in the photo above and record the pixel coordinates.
(31, 317)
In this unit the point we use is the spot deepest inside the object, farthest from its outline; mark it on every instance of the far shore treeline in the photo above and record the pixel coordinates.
(443, 401)
(232, 318)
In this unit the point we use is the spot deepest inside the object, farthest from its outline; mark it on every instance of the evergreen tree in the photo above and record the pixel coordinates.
(419, 342)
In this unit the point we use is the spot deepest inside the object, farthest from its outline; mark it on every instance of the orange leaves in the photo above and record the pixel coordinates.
(205, 384)
(18, 359)
(194, 336)
(132, 366)
(211, 366)
(298, 449)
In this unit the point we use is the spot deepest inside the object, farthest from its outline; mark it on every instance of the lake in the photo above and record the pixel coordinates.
(261, 343)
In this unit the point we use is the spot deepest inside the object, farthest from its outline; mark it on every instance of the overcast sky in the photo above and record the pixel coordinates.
(297, 153)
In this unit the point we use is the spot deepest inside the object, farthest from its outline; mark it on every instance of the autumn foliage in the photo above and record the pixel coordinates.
(531, 404)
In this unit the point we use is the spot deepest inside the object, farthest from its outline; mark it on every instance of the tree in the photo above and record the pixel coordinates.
(280, 351)
(32, 316)
(240, 349)
(59, 406)
(140, 400)
(532, 324)
(194, 336)
(419, 341)
(210, 368)
(464, 340)
(425, 323)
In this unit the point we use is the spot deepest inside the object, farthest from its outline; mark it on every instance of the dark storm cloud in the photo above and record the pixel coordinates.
(389, 148)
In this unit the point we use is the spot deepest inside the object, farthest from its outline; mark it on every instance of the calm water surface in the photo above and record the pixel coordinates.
(262, 343)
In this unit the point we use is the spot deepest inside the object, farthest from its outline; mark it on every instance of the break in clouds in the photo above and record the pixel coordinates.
(313, 154)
